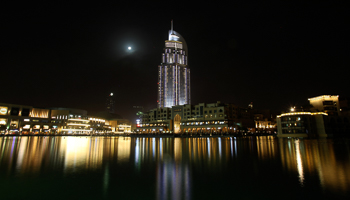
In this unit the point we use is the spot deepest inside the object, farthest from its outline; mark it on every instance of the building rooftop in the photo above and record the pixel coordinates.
(323, 97)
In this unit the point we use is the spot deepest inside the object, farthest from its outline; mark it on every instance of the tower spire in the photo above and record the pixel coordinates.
(171, 26)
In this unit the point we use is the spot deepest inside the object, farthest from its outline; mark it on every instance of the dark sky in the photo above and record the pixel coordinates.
(272, 54)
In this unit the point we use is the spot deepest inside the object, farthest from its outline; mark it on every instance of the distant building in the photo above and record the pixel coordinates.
(301, 124)
(326, 103)
(250, 105)
(174, 73)
(70, 121)
(322, 119)
(121, 126)
(110, 103)
(344, 106)
(264, 124)
(99, 126)
(139, 112)
(246, 117)
(112, 123)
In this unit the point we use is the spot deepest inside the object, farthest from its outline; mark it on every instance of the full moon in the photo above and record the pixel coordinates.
(129, 48)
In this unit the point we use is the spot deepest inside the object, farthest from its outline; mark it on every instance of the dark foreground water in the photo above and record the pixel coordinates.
(168, 168)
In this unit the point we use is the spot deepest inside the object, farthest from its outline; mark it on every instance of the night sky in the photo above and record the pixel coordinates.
(272, 54)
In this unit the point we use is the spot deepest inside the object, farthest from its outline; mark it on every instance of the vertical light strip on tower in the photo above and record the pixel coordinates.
(178, 84)
(186, 99)
(166, 88)
(160, 86)
(189, 87)
(174, 86)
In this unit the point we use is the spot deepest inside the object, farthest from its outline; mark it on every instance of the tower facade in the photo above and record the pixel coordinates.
(174, 73)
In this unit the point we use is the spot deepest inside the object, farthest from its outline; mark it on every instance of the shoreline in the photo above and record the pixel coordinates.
(168, 135)
(143, 135)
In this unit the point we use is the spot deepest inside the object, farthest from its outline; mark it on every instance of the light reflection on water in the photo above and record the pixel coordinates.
(175, 162)
(318, 156)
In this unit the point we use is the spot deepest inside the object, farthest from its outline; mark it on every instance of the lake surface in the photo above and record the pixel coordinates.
(259, 167)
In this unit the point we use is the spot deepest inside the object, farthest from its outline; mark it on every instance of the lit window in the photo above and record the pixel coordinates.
(26, 126)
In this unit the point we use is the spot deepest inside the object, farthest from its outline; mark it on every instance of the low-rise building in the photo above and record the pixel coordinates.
(70, 121)
(301, 124)
(15, 119)
(106, 122)
(99, 126)
(200, 118)
(324, 119)
(22, 119)
(325, 103)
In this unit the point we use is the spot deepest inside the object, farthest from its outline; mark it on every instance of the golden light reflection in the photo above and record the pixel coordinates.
(33, 154)
(77, 155)
(266, 147)
(316, 156)
(174, 158)
(124, 145)
(25, 153)
(299, 162)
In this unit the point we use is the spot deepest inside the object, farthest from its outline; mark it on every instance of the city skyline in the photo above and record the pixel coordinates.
(272, 54)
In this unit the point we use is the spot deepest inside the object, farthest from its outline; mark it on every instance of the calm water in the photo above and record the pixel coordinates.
(168, 168)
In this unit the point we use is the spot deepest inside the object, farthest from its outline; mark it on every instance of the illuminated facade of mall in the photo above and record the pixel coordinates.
(22, 119)
(174, 73)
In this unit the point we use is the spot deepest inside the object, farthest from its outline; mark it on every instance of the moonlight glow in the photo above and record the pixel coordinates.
(129, 48)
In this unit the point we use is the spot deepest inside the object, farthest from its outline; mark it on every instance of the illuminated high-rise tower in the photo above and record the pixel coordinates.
(174, 73)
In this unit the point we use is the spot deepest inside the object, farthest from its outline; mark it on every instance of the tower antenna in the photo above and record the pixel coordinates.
(171, 26)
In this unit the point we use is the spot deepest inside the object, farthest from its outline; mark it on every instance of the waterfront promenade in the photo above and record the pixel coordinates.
(182, 135)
